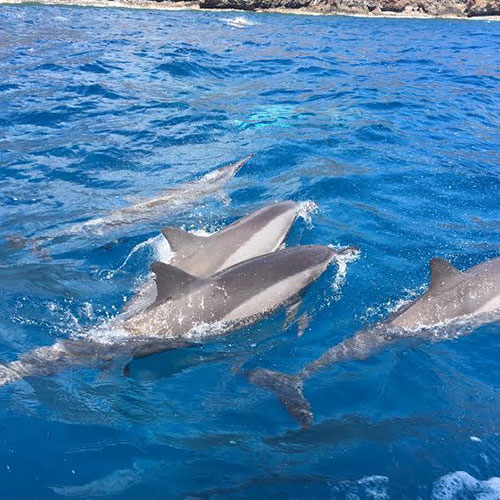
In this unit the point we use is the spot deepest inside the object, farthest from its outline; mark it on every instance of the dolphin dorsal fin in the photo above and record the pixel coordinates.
(181, 241)
(170, 280)
(442, 274)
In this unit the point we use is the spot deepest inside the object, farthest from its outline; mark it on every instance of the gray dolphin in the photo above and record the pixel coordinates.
(189, 309)
(261, 232)
(177, 197)
(233, 297)
(452, 296)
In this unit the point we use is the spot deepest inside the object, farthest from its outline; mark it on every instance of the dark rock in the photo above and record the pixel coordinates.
(483, 8)
(407, 7)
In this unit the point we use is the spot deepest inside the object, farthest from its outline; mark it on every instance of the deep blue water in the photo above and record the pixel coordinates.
(391, 126)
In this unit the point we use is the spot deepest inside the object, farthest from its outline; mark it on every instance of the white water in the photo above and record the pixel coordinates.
(237, 22)
(305, 210)
(342, 262)
(366, 488)
(460, 484)
(157, 245)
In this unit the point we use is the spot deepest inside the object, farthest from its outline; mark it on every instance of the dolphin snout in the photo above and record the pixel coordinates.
(237, 166)
(323, 254)
(350, 251)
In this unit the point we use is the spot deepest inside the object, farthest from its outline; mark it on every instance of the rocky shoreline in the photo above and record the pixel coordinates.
(434, 8)
(382, 8)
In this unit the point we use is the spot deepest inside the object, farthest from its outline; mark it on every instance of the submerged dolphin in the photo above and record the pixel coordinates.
(260, 232)
(179, 196)
(232, 298)
(452, 296)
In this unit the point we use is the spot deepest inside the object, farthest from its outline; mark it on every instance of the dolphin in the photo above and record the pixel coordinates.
(263, 231)
(189, 309)
(142, 210)
(453, 297)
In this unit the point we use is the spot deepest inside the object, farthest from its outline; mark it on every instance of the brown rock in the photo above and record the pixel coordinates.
(483, 8)
(432, 7)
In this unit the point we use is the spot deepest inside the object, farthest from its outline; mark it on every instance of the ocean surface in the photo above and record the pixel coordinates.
(391, 126)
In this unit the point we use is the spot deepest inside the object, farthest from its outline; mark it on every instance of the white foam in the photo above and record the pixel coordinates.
(342, 262)
(391, 306)
(104, 334)
(460, 484)
(203, 331)
(455, 327)
(375, 487)
(161, 249)
(157, 244)
(305, 210)
(201, 232)
(237, 22)
(369, 487)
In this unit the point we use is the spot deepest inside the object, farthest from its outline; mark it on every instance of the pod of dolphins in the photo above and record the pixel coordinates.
(233, 278)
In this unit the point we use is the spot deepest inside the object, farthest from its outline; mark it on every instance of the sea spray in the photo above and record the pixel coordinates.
(305, 210)
(342, 260)
(237, 22)
(157, 245)
(460, 484)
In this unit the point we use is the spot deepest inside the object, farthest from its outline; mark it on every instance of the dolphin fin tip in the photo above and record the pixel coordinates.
(182, 241)
(171, 280)
(442, 273)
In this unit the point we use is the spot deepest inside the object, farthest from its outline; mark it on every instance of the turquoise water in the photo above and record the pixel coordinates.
(391, 126)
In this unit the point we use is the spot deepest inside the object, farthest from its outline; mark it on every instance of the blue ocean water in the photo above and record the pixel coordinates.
(391, 126)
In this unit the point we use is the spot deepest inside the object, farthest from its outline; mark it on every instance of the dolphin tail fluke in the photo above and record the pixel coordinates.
(288, 388)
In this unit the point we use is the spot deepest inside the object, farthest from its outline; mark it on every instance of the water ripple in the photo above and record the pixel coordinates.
(391, 126)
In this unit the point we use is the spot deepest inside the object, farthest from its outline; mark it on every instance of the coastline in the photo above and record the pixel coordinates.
(195, 5)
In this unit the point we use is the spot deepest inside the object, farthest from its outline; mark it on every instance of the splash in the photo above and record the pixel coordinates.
(369, 487)
(203, 331)
(457, 327)
(460, 484)
(444, 330)
(108, 333)
(161, 249)
(377, 312)
(157, 245)
(342, 260)
(237, 22)
(201, 232)
(305, 210)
